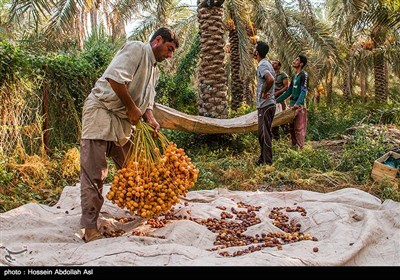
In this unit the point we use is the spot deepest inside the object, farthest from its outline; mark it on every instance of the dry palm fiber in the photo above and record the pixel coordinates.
(155, 175)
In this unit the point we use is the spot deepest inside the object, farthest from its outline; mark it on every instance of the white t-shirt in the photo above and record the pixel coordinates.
(104, 115)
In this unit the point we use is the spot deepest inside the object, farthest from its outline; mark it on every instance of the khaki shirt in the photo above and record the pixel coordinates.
(104, 116)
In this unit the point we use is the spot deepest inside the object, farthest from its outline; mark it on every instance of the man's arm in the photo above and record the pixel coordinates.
(268, 83)
(283, 89)
(133, 112)
(286, 94)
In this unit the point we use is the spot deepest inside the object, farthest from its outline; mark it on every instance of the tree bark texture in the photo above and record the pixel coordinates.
(236, 81)
(213, 99)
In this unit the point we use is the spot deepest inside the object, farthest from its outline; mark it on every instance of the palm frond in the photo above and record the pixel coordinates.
(127, 9)
(29, 9)
(63, 15)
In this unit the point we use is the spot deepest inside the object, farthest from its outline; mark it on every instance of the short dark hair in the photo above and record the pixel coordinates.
(167, 34)
(262, 48)
(303, 60)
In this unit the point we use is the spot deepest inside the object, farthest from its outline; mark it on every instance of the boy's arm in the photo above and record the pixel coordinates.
(303, 86)
(286, 94)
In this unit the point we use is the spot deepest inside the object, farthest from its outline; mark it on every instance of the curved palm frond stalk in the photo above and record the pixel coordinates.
(213, 98)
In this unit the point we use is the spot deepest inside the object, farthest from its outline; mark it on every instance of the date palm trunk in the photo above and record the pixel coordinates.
(363, 83)
(380, 78)
(329, 84)
(213, 98)
(236, 82)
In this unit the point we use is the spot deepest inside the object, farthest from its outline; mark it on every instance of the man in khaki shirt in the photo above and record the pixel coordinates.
(121, 96)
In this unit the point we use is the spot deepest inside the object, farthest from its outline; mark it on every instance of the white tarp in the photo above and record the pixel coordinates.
(353, 228)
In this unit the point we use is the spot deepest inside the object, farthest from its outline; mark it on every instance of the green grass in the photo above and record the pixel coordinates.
(227, 161)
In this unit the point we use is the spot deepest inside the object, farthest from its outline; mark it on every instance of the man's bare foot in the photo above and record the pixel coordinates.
(92, 234)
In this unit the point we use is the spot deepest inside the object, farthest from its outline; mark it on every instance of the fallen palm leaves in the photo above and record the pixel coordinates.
(155, 175)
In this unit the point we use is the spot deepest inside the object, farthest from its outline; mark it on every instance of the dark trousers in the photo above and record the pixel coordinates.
(276, 133)
(265, 118)
(93, 172)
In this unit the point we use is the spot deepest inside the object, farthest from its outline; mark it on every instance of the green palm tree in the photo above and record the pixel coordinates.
(241, 31)
(296, 29)
(376, 23)
(291, 30)
(178, 16)
(213, 98)
(68, 17)
(237, 87)
(4, 26)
